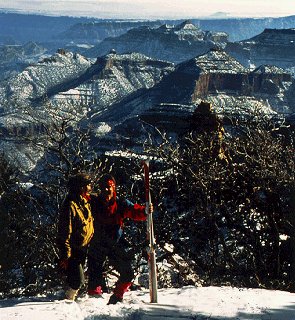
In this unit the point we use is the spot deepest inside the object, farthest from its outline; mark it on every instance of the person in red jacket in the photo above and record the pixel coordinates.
(109, 212)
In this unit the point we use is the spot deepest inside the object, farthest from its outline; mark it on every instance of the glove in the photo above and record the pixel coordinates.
(63, 263)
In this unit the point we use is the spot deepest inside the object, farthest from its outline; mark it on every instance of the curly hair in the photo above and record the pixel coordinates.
(77, 182)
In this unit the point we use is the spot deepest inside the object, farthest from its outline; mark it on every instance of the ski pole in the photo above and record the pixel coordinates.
(150, 237)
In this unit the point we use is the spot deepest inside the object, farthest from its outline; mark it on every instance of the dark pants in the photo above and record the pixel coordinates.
(75, 271)
(119, 258)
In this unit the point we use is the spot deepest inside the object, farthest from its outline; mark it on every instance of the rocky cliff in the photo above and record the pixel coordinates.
(71, 81)
(171, 43)
(214, 77)
(244, 28)
(116, 93)
(76, 86)
(272, 46)
(15, 58)
(40, 79)
(16, 27)
(96, 31)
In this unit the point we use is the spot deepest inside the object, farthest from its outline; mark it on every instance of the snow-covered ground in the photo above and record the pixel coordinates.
(190, 302)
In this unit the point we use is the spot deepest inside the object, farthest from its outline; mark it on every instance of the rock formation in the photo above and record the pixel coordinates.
(172, 43)
(272, 46)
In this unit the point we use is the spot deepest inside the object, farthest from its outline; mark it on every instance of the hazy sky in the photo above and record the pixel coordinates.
(154, 8)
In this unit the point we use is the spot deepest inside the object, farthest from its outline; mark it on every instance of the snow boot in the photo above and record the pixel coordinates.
(97, 292)
(114, 299)
(120, 289)
(71, 294)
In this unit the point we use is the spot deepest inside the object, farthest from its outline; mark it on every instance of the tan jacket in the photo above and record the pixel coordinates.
(75, 228)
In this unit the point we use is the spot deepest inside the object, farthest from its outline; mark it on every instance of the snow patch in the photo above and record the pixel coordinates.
(223, 303)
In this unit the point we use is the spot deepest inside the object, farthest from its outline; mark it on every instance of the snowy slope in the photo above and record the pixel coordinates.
(71, 79)
(223, 303)
(38, 79)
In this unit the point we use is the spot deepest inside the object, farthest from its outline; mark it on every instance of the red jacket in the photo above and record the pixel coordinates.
(109, 217)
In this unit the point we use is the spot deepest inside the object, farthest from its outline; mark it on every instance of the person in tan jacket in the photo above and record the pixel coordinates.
(75, 230)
